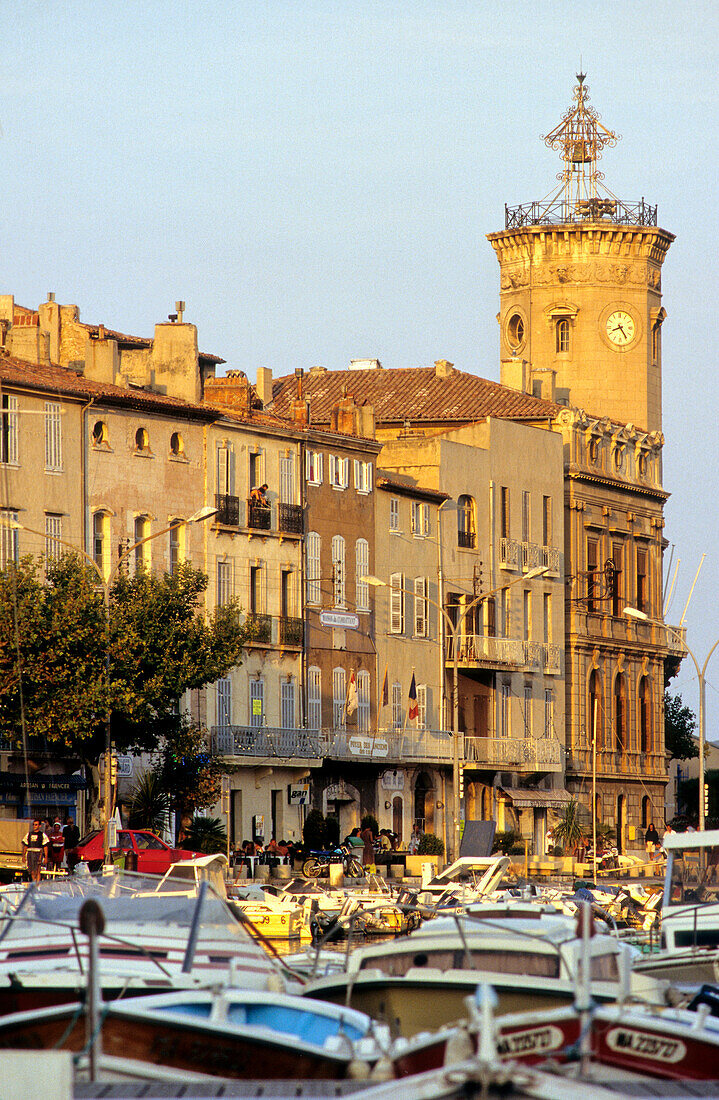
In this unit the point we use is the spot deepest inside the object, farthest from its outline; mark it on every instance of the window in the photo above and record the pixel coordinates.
(642, 596)
(503, 711)
(224, 702)
(257, 703)
(176, 539)
(363, 476)
(9, 430)
(100, 434)
(504, 516)
(420, 520)
(314, 572)
(562, 335)
(526, 517)
(224, 583)
(53, 532)
(594, 716)
(101, 541)
(314, 699)
(528, 709)
(257, 589)
(515, 331)
(363, 691)
(656, 342)
(396, 706)
(506, 603)
(225, 471)
(420, 607)
(491, 611)
(339, 692)
(177, 444)
(394, 515)
(549, 712)
(257, 473)
(313, 467)
(593, 580)
(466, 532)
(547, 626)
(620, 714)
(361, 571)
(287, 705)
(339, 472)
(53, 437)
(9, 539)
(338, 570)
(396, 604)
(142, 441)
(527, 615)
(617, 585)
(421, 706)
(547, 521)
(287, 479)
(140, 531)
(645, 730)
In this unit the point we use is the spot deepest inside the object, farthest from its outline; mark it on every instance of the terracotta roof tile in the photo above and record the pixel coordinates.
(393, 482)
(415, 393)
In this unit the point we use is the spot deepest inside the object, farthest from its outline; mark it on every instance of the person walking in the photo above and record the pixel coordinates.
(56, 848)
(34, 849)
(71, 835)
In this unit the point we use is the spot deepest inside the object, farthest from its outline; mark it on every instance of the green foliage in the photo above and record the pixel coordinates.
(430, 845)
(371, 822)
(160, 643)
(314, 830)
(504, 842)
(569, 830)
(149, 805)
(187, 771)
(207, 835)
(679, 725)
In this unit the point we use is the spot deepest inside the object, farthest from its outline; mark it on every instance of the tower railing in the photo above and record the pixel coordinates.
(607, 211)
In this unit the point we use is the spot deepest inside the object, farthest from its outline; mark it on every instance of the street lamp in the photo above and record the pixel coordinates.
(455, 630)
(634, 613)
(197, 517)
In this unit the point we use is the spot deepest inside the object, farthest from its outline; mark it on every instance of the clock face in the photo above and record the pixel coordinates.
(620, 327)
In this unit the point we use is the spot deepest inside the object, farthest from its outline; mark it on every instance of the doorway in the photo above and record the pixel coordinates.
(397, 815)
(621, 822)
(424, 802)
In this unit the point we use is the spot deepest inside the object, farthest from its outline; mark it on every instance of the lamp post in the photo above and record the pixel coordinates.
(455, 631)
(634, 613)
(106, 583)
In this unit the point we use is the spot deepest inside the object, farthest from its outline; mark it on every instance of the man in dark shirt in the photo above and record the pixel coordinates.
(71, 834)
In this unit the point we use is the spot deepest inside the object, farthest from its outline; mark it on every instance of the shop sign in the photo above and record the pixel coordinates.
(368, 746)
(393, 780)
(341, 620)
(298, 794)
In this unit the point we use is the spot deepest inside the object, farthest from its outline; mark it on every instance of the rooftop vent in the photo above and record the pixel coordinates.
(365, 364)
(51, 295)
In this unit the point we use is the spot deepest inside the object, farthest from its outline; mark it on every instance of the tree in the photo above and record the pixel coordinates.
(53, 644)
(186, 771)
(149, 804)
(569, 830)
(679, 725)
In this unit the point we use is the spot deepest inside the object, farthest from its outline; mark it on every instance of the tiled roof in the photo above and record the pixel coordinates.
(414, 393)
(59, 380)
(393, 483)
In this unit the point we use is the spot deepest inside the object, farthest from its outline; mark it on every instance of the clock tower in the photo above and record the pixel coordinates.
(581, 314)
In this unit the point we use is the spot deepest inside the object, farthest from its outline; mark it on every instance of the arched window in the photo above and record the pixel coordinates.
(142, 552)
(620, 713)
(361, 571)
(646, 811)
(645, 716)
(101, 542)
(338, 570)
(562, 335)
(100, 434)
(594, 711)
(142, 441)
(314, 571)
(177, 444)
(466, 529)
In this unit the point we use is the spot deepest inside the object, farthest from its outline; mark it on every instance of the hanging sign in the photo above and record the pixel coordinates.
(341, 620)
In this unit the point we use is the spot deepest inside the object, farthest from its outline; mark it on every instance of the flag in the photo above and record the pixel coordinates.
(413, 708)
(351, 704)
(385, 689)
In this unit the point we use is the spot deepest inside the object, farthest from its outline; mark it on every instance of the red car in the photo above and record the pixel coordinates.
(153, 855)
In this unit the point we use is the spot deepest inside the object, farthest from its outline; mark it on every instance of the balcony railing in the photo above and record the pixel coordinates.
(291, 631)
(606, 210)
(228, 510)
(466, 539)
(550, 558)
(611, 762)
(290, 518)
(389, 745)
(262, 741)
(259, 516)
(261, 628)
(510, 552)
(486, 650)
(522, 752)
(552, 658)
(533, 654)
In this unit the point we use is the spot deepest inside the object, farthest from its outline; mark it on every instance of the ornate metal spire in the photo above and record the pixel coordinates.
(580, 137)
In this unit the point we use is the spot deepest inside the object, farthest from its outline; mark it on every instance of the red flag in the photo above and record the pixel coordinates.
(413, 708)
(385, 689)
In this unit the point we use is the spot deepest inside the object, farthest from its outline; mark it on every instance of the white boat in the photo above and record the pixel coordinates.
(270, 915)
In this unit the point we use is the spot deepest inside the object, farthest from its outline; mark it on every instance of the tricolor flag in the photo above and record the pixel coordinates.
(351, 704)
(385, 689)
(413, 712)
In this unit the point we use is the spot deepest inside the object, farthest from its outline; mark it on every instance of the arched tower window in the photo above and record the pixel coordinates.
(594, 711)
(645, 716)
(620, 713)
(562, 335)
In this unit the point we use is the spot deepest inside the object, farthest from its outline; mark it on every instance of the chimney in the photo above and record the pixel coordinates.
(365, 364)
(231, 392)
(443, 368)
(514, 374)
(352, 419)
(180, 307)
(300, 411)
(264, 385)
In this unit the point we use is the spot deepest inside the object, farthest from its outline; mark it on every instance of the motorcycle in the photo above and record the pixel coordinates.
(319, 862)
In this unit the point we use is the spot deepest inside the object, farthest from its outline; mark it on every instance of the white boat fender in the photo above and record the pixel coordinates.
(486, 1000)
(275, 984)
(459, 1046)
(358, 1070)
(382, 1070)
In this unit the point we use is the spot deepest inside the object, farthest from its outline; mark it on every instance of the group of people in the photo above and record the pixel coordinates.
(48, 846)
(269, 853)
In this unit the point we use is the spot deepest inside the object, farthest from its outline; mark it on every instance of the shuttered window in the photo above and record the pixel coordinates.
(396, 604)
(314, 571)
(53, 437)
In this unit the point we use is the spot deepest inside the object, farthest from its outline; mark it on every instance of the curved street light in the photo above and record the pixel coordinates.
(106, 581)
(634, 613)
(455, 631)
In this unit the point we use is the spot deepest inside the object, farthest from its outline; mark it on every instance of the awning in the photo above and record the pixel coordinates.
(522, 798)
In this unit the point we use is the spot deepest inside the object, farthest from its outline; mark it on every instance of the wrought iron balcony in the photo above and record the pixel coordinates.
(525, 753)
(291, 631)
(389, 745)
(290, 518)
(510, 552)
(261, 628)
(552, 658)
(263, 741)
(466, 539)
(611, 211)
(481, 649)
(228, 510)
(259, 516)
(611, 762)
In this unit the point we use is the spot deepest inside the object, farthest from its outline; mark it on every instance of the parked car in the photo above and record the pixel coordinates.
(144, 851)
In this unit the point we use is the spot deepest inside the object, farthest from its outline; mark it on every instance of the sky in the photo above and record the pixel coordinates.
(316, 179)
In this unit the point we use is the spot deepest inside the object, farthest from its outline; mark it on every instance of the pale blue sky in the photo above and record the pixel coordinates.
(316, 180)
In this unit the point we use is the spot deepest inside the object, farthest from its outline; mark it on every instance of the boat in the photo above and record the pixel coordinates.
(528, 953)
(227, 1033)
(689, 944)
(272, 916)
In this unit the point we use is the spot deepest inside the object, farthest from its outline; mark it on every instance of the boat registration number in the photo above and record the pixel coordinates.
(624, 1039)
(533, 1040)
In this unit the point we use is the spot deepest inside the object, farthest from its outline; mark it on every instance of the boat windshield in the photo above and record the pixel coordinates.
(694, 875)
